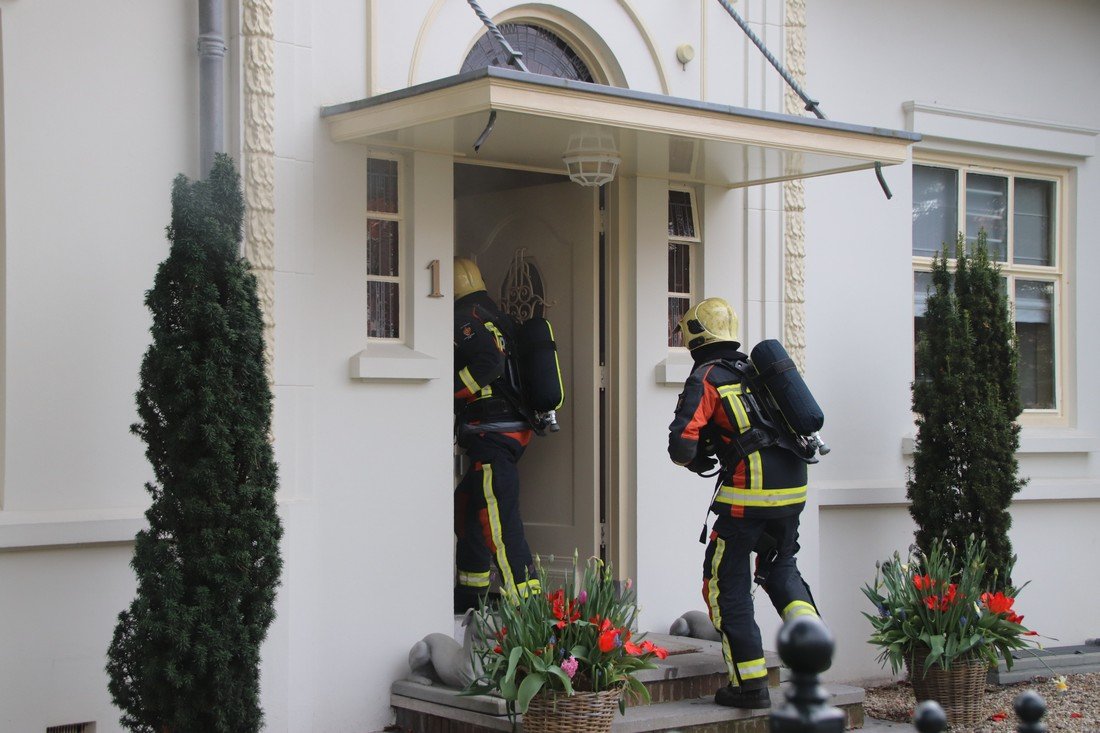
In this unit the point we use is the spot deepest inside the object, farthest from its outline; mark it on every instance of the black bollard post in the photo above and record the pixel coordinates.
(929, 717)
(806, 647)
(1030, 709)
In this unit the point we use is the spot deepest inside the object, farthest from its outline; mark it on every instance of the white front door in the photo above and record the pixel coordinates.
(557, 226)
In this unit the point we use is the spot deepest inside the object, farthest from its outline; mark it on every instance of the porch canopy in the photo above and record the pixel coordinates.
(539, 119)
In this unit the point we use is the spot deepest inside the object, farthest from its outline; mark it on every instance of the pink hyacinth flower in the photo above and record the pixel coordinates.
(569, 666)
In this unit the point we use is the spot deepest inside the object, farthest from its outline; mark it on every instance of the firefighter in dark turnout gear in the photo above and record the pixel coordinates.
(493, 431)
(761, 491)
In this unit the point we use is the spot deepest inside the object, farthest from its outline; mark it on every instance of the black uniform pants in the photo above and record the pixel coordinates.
(727, 587)
(487, 519)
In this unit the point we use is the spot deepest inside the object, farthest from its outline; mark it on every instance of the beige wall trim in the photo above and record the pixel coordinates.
(794, 197)
(258, 41)
(650, 43)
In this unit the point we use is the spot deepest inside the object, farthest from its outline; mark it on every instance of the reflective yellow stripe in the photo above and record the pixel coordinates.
(468, 380)
(756, 472)
(752, 670)
(795, 609)
(496, 334)
(715, 609)
(475, 580)
(529, 588)
(493, 510)
(561, 388)
(731, 393)
(761, 497)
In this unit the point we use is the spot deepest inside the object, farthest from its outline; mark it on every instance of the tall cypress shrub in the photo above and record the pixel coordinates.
(966, 399)
(185, 655)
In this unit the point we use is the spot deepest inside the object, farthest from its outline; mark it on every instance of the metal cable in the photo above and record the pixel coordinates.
(516, 56)
(811, 104)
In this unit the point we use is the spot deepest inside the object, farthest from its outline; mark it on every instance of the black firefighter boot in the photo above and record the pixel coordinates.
(751, 698)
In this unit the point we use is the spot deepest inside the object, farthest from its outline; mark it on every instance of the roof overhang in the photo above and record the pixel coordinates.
(654, 135)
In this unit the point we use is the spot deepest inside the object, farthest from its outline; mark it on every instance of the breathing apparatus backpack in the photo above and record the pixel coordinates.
(781, 402)
(531, 383)
(540, 371)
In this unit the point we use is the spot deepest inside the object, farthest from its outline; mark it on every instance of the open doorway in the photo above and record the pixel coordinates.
(511, 220)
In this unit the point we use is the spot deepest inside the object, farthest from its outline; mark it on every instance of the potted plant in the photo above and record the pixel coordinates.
(938, 615)
(570, 653)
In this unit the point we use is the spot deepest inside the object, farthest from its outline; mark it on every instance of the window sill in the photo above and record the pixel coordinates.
(394, 362)
(1039, 442)
(675, 368)
(39, 529)
(871, 494)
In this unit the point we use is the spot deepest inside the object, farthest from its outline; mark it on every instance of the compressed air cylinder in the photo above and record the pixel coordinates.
(538, 365)
(787, 388)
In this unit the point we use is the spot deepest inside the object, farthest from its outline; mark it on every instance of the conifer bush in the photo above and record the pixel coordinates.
(966, 399)
(185, 654)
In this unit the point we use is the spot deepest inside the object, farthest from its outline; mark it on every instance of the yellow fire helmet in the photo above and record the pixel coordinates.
(710, 320)
(467, 277)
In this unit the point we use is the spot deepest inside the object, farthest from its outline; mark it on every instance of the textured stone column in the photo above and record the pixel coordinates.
(794, 197)
(258, 174)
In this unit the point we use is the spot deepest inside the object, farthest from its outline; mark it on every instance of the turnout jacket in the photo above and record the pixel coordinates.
(714, 408)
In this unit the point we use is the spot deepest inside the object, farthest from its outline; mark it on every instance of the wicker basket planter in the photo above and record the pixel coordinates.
(960, 690)
(581, 712)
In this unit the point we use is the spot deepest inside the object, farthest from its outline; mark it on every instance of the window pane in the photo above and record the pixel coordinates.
(679, 267)
(382, 185)
(681, 222)
(986, 205)
(935, 209)
(677, 307)
(1035, 332)
(383, 310)
(1032, 222)
(922, 285)
(381, 247)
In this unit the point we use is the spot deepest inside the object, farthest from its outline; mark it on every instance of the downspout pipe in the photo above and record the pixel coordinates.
(212, 49)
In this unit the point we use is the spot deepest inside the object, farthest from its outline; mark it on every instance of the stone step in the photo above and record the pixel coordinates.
(698, 715)
(1028, 663)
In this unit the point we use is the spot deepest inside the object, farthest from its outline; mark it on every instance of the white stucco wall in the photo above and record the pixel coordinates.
(90, 151)
(859, 327)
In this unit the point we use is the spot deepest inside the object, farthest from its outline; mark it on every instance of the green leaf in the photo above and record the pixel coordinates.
(530, 686)
(513, 660)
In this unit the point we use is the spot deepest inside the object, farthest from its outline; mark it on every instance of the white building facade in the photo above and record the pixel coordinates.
(355, 142)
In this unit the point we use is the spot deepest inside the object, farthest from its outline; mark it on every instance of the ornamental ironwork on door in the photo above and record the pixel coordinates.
(523, 292)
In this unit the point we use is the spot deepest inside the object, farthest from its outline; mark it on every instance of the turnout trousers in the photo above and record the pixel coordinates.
(488, 526)
(727, 590)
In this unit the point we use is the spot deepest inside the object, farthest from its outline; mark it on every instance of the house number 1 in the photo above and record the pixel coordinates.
(434, 267)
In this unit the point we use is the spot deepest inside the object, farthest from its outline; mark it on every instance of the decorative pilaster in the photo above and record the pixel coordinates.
(258, 49)
(794, 196)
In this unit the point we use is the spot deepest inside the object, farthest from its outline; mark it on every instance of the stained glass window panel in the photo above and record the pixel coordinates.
(383, 309)
(382, 185)
(543, 53)
(679, 267)
(677, 307)
(681, 218)
(382, 248)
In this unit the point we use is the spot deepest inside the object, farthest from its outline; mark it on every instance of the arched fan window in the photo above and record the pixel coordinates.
(543, 53)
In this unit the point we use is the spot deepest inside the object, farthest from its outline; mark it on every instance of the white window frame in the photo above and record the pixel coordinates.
(1056, 273)
(402, 266)
(696, 250)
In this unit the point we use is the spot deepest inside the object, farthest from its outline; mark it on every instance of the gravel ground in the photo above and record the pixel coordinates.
(1075, 709)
